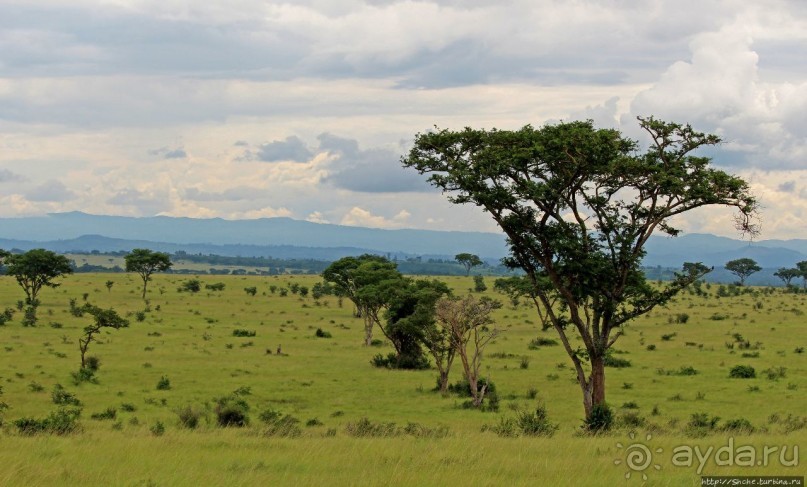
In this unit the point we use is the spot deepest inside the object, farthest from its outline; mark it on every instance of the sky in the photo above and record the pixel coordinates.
(251, 108)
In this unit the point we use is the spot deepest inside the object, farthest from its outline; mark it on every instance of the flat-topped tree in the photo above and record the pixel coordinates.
(787, 275)
(468, 261)
(146, 262)
(36, 269)
(743, 268)
(578, 204)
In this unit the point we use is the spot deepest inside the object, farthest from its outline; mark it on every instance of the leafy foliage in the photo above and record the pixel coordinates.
(578, 205)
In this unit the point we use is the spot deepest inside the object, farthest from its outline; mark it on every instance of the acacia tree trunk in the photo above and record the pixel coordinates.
(368, 330)
(443, 380)
(594, 387)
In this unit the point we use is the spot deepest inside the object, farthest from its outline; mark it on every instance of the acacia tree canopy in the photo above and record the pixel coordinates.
(578, 205)
(742, 268)
(468, 261)
(146, 262)
(36, 269)
(365, 280)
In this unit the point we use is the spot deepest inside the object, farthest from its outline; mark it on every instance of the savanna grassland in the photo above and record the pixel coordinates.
(180, 353)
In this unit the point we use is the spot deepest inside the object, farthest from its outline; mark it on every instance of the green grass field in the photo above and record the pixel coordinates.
(328, 383)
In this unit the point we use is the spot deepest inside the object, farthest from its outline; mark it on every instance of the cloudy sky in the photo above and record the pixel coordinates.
(253, 108)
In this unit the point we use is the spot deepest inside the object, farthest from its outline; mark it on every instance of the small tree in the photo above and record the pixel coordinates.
(466, 322)
(102, 318)
(36, 269)
(146, 262)
(410, 314)
(468, 261)
(802, 267)
(109, 285)
(787, 275)
(363, 280)
(479, 284)
(742, 268)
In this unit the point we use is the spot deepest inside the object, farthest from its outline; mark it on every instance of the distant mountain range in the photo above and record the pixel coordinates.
(286, 238)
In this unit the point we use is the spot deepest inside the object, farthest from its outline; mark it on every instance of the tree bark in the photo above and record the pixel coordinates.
(443, 380)
(594, 388)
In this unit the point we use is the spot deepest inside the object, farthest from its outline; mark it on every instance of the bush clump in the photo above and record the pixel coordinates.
(61, 397)
(231, 411)
(601, 419)
(60, 422)
(279, 424)
(542, 342)
(189, 417)
(320, 333)
(244, 333)
(742, 372)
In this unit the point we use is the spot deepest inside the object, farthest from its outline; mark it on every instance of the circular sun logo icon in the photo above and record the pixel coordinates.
(638, 457)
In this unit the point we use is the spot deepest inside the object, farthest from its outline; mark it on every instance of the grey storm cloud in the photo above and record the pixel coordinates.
(176, 154)
(368, 171)
(7, 176)
(787, 187)
(290, 149)
(168, 153)
(50, 191)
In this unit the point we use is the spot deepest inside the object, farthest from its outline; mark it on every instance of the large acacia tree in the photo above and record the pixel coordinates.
(36, 269)
(578, 204)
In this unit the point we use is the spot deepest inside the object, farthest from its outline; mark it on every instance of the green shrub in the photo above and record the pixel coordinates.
(189, 417)
(251, 290)
(157, 429)
(535, 423)
(231, 411)
(601, 419)
(541, 342)
(218, 286)
(616, 362)
(742, 372)
(632, 419)
(163, 384)
(93, 363)
(775, 373)
(701, 424)
(61, 397)
(108, 413)
(322, 334)
(190, 286)
(741, 425)
(364, 428)
(60, 422)
(282, 425)
(6, 316)
(388, 362)
(244, 333)
(84, 374)
(479, 284)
